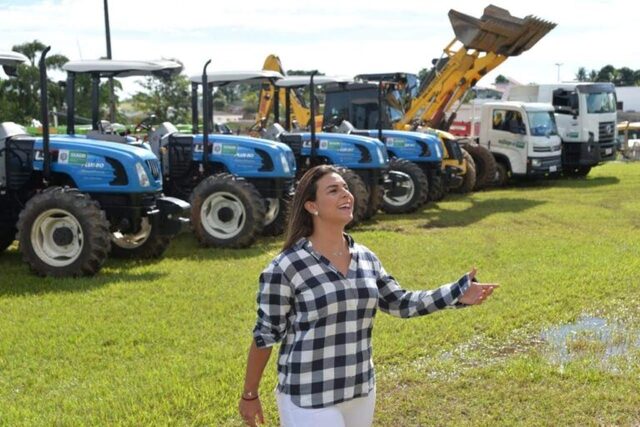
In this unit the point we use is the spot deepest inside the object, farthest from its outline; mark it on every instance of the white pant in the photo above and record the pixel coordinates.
(352, 413)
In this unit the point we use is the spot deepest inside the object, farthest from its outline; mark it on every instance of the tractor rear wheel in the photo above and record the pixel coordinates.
(485, 165)
(7, 236)
(146, 243)
(360, 193)
(469, 178)
(62, 233)
(227, 212)
(410, 187)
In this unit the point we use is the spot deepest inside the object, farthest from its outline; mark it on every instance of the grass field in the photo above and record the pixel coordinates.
(164, 343)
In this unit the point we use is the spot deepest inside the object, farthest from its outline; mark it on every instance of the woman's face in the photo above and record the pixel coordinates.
(334, 202)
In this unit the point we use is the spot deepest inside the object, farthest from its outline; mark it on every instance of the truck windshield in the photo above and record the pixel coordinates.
(601, 102)
(542, 123)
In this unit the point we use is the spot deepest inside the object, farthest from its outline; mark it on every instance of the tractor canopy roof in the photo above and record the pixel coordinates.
(300, 81)
(120, 68)
(221, 78)
(392, 76)
(10, 60)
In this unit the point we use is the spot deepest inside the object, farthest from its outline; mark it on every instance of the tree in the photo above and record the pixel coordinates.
(581, 75)
(169, 99)
(250, 102)
(21, 94)
(501, 79)
(593, 75)
(625, 77)
(607, 73)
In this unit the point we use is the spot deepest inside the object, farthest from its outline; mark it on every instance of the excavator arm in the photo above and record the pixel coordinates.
(480, 46)
(299, 110)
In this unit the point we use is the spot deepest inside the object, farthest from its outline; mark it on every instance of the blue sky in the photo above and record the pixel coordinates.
(334, 36)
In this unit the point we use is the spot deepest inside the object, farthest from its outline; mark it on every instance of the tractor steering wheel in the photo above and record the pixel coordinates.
(145, 124)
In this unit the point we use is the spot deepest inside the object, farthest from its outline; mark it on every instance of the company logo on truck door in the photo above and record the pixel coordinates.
(516, 144)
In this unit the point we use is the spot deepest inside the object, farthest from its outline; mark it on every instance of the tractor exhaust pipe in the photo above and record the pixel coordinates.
(44, 113)
(312, 120)
(205, 117)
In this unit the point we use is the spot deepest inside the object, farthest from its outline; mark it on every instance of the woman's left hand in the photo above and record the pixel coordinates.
(477, 293)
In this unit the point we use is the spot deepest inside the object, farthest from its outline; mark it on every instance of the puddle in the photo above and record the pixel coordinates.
(606, 344)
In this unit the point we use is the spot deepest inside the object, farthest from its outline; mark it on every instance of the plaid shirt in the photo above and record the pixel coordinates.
(324, 319)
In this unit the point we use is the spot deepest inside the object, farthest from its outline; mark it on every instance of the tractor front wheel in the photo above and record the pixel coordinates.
(409, 187)
(146, 243)
(469, 178)
(62, 233)
(485, 165)
(276, 215)
(226, 211)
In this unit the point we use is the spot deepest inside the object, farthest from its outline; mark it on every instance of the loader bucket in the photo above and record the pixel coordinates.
(499, 32)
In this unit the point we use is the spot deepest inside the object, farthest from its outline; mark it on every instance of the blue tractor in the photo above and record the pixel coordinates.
(239, 186)
(131, 237)
(67, 196)
(363, 161)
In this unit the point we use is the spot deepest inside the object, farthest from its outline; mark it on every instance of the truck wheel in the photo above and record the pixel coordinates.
(502, 175)
(469, 178)
(578, 172)
(411, 190)
(436, 188)
(62, 233)
(360, 193)
(485, 165)
(146, 243)
(276, 216)
(7, 236)
(376, 193)
(226, 212)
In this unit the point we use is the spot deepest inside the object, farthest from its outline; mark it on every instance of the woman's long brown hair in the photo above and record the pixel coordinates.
(300, 222)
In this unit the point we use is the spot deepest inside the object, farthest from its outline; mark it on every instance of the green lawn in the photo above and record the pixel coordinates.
(164, 343)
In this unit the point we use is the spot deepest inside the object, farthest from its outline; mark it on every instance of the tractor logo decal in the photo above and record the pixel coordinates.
(217, 148)
(396, 142)
(306, 144)
(230, 149)
(72, 157)
(324, 144)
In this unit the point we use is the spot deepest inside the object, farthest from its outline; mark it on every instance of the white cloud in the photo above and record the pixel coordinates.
(335, 36)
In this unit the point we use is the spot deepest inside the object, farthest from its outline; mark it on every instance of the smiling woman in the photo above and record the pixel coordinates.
(318, 297)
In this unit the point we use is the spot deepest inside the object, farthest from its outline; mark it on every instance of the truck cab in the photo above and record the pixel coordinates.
(586, 118)
(523, 138)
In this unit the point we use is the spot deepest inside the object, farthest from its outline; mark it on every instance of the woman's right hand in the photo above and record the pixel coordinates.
(249, 410)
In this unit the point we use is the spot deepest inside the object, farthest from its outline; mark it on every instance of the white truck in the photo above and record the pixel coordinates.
(586, 118)
(523, 138)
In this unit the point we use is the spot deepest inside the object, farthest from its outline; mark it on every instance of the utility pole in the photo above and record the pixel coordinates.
(112, 98)
(558, 64)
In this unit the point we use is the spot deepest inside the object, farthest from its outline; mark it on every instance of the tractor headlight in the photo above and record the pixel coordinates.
(143, 178)
(285, 164)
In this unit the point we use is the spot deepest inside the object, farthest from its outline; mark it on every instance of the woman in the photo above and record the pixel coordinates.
(319, 297)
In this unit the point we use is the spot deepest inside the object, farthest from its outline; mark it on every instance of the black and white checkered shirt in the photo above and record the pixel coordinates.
(324, 320)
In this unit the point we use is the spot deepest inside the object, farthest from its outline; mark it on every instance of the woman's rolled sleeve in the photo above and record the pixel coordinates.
(274, 306)
(401, 303)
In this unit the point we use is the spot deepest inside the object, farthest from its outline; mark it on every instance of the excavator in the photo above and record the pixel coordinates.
(479, 46)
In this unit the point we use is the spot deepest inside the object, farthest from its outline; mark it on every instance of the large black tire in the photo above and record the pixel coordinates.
(7, 236)
(485, 165)
(416, 188)
(502, 175)
(145, 244)
(277, 215)
(469, 178)
(63, 233)
(376, 193)
(227, 212)
(437, 190)
(360, 193)
(577, 172)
